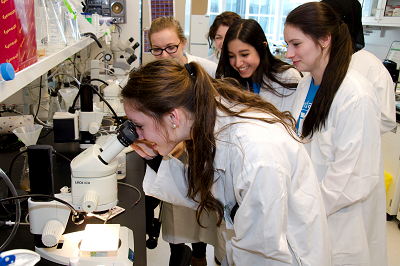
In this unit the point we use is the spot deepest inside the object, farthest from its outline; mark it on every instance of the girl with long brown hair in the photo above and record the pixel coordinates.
(244, 162)
(246, 57)
(338, 115)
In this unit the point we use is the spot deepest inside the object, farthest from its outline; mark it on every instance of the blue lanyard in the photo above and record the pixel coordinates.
(312, 91)
(256, 88)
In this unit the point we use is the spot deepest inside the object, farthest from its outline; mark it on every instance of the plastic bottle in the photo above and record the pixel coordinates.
(6, 72)
(396, 11)
(57, 40)
(42, 24)
(54, 106)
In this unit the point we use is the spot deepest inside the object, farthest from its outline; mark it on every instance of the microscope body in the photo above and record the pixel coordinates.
(93, 188)
(93, 183)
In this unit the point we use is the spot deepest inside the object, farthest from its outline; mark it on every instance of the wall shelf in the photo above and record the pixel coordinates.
(44, 64)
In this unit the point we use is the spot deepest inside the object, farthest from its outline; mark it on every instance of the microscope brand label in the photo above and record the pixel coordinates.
(82, 182)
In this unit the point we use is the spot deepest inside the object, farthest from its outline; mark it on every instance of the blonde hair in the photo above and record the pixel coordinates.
(166, 22)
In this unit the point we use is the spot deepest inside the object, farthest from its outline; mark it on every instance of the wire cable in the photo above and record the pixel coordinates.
(74, 66)
(62, 156)
(135, 188)
(46, 134)
(101, 68)
(100, 80)
(74, 212)
(40, 95)
(18, 211)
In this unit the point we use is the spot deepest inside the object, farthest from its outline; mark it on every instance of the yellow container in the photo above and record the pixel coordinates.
(388, 179)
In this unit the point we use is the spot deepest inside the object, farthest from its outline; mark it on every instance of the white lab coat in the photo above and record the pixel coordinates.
(346, 155)
(373, 69)
(209, 67)
(179, 223)
(270, 176)
(282, 103)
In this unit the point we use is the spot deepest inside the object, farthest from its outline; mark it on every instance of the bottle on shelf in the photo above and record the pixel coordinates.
(57, 40)
(6, 72)
(42, 26)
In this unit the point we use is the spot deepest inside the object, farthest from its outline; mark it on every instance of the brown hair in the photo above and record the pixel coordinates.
(225, 18)
(321, 22)
(166, 22)
(162, 85)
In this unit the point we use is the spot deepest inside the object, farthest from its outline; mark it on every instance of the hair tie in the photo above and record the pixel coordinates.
(189, 69)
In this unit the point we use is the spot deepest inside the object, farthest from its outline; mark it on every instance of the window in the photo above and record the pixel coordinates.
(270, 14)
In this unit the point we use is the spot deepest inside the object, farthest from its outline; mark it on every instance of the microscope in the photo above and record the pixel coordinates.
(93, 188)
(119, 66)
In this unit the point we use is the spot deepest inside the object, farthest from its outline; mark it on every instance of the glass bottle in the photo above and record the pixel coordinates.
(54, 106)
(24, 182)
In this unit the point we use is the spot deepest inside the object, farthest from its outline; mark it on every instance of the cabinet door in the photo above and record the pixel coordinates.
(369, 8)
(381, 12)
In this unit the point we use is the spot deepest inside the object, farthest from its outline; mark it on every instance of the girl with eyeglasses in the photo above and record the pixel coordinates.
(246, 57)
(167, 40)
(338, 115)
(179, 225)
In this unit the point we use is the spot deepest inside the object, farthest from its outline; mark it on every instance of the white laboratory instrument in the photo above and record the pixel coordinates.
(112, 96)
(93, 188)
(119, 66)
(19, 257)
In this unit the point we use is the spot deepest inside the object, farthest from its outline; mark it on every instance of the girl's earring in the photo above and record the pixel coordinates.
(323, 46)
(174, 126)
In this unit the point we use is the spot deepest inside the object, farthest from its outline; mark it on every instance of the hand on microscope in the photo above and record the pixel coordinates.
(145, 149)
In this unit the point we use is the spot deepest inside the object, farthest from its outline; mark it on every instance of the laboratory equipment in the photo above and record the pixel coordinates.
(68, 95)
(111, 95)
(19, 257)
(28, 135)
(54, 106)
(116, 9)
(93, 188)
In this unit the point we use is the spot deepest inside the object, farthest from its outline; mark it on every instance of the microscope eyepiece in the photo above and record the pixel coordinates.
(127, 135)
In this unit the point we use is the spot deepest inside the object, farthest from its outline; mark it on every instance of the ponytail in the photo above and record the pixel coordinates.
(322, 21)
(162, 85)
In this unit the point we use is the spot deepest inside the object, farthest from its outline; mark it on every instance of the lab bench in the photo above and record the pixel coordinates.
(133, 218)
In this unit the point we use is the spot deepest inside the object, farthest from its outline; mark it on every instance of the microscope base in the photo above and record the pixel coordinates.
(70, 248)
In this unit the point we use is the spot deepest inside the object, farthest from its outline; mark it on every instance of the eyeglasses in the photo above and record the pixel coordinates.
(170, 50)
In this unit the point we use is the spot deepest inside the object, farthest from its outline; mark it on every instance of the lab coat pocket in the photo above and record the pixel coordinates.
(345, 228)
